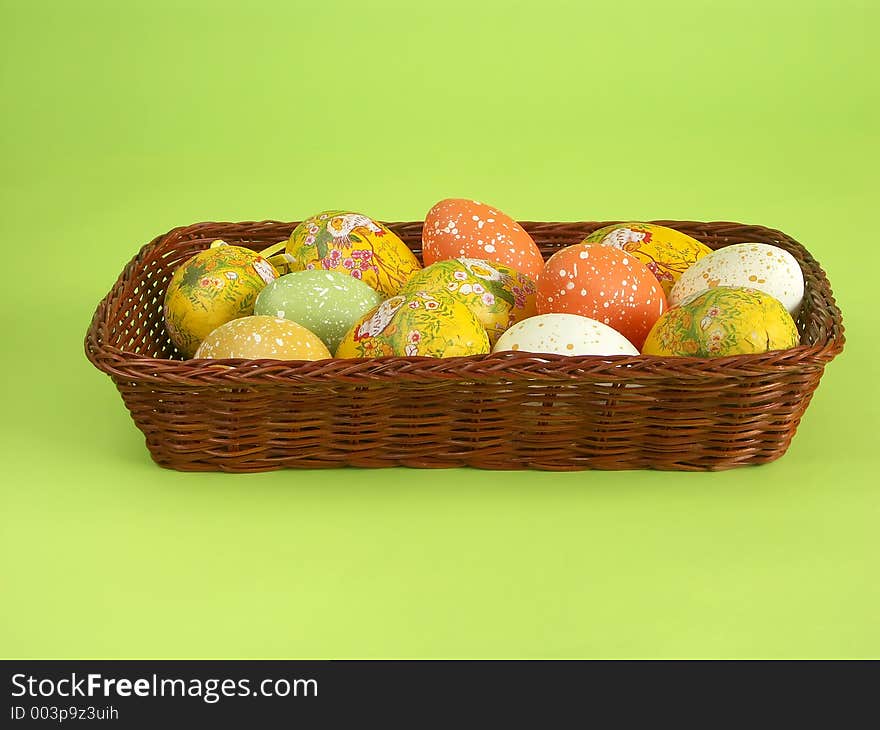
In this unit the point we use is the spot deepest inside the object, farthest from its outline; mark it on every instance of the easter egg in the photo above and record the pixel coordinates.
(564, 334)
(353, 244)
(262, 338)
(605, 284)
(420, 324)
(755, 265)
(456, 227)
(495, 293)
(666, 253)
(211, 288)
(325, 302)
(723, 321)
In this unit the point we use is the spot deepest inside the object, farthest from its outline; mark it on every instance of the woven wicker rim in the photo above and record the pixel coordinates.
(824, 327)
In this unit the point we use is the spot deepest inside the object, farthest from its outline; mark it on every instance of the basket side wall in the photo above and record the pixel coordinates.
(504, 425)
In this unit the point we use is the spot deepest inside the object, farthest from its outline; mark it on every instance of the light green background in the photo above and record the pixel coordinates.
(122, 120)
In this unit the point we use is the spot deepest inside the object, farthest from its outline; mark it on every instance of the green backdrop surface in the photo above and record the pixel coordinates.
(124, 119)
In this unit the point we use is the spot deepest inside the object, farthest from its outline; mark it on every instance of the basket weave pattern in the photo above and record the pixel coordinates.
(505, 411)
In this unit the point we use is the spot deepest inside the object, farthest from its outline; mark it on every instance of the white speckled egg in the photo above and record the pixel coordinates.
(564, 334)
(325, 302)
(760, 266)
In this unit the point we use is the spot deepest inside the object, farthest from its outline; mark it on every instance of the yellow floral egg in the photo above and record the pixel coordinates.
(260, 337)
(666, 252)
(723, 321)
(353, 244)
(417, 324)
(495, 293)
(215, 286)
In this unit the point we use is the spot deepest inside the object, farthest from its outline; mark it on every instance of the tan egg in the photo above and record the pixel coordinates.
(262, 338)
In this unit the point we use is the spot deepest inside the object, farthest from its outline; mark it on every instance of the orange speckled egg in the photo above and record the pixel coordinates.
(605, 284)
(665, 251)
(456, 227)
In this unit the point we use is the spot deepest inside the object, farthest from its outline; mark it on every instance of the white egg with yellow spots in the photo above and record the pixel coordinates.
(262, 338)
(760, 266)
(564, 334)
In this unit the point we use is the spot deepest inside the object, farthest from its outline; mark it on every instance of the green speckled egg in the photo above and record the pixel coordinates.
(325, 302)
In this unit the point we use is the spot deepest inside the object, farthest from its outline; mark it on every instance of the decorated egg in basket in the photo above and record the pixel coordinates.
(261, 337)
(723, 321)
(326, 302)
(605, 284)
(213, 287)
(457, 227)
(353, 244)
(666, 252)
(564, 334)
(755, 265)
(417, 324)
(498, 295)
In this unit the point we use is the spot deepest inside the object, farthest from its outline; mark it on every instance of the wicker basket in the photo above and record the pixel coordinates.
(506, 411)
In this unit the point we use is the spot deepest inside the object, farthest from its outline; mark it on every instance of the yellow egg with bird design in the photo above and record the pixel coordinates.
(498, 295)
(417, 324)
(666, 252)
(353, 244)
(211, 288)
(723, 321)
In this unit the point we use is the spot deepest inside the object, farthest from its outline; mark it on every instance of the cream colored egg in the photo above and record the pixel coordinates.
(760, 266)
(564, 334)
(262, 338)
